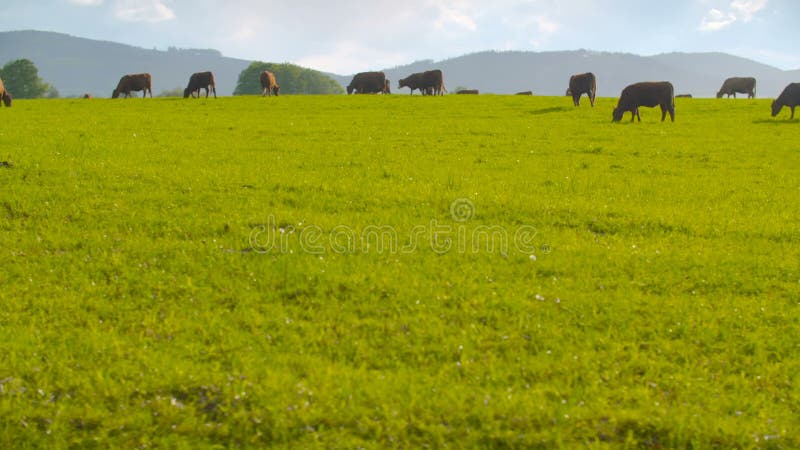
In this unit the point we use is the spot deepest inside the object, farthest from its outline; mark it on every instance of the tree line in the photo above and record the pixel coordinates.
(21, 78)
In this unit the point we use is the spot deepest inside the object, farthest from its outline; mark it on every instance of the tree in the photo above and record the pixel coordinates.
(21, 78)
(174, 92)
(291, 78)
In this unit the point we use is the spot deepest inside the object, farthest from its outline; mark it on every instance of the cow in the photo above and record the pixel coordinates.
(524, 93)
(789, 97)
(734, 85)
(584, 83)
(650, 94)
(135, 82)
(269, 85)
(468, 91)
(5, 95)
(200, 80)
(430, 81)
(683, 96)
(87, 96)
(369, 83)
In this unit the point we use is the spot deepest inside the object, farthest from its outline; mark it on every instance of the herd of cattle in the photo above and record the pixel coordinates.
(431, 82)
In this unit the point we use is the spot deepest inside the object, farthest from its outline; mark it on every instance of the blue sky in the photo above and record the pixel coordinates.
(346, 36)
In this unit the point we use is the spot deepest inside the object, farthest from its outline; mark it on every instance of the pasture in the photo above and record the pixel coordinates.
(395, 271)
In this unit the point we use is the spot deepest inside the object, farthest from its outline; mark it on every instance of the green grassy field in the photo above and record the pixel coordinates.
(490, 271)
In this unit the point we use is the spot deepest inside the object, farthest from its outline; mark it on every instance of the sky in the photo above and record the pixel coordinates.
(348, 36)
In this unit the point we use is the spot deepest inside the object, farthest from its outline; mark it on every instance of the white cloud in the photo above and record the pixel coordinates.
(716, 20)
(86, 2)
(746, 9)
(736, 11)
(143, 11)
(451, 15)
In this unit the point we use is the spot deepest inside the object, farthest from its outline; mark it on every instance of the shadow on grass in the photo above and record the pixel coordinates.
(776, 121)
(538, 112)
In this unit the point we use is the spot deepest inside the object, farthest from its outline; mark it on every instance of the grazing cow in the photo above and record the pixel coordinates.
(468, 91)
(733, 85)
(5, 95)
(429, 82)
(683, 96)
(369, 83)
(789, 97)
(269, 85)
(200, 80)
(136, 82)
(87, 96)
(584, 83)
(524, 93)
(650, 94)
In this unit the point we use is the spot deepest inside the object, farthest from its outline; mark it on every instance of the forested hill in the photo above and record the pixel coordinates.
(547, 73)
(76, 65)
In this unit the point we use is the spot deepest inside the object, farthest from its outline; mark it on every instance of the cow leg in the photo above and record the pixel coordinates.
(663, 113)
(215, 91)
(792, 116)
(591, 98)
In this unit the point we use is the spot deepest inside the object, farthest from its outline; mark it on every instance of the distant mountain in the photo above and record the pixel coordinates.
(76, 66)
(547, 73)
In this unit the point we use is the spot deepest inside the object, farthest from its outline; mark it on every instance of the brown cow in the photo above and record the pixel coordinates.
(584, 83)
(789, 97)
(741, 85)
(431, 79)
(369, 83)
(5, 95)
(135, 82)
(524, 93)
(200, 80)
(650, 94)
(269, 85)
(468, 91)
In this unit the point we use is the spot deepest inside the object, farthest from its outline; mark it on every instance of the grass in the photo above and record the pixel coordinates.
(192, 274)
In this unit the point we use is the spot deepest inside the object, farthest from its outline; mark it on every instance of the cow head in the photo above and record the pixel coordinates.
(401, 83)
(186, 93)
(115, 94)
(569, 93)
(350, 89)
(6, 98)
(616, 116)
(720, 94)
(276, 90)
(776, 108)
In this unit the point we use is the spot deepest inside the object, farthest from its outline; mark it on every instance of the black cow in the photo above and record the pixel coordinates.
(136, 82)
(369, 83)
(269, 85)
(650, 94)
(731, 86)
(200, 80)
(789, 97)
(524, 93)
(683, 96)
(468, 91)
(430, 81)
(584, 83)
(4, 94)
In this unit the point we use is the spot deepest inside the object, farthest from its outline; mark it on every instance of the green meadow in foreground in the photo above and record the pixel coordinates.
(395, 271)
